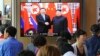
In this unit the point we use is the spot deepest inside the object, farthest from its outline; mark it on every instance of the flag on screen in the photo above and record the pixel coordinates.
(34, 23)
(24, 16)
(77, 17)
(51, 10)
(66, 11)
(21, 22)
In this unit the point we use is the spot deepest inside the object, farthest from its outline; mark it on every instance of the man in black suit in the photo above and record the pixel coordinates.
(43, 21)
(60, 23)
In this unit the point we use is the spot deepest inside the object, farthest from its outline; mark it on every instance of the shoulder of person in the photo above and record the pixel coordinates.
(74, 44)
(69, 53)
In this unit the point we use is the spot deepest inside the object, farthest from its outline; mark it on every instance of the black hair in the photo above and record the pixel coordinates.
(26, 53)
(95, 28)
(58, 10)
(42, 8)
(11, 31)
(39, 41)
(2, 28)
(66, 35)
(64, 46)
(79, 32)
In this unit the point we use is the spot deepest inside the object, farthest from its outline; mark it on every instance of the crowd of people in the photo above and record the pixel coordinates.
(80, 46)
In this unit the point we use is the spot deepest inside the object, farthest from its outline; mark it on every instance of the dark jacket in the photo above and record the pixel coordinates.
(93, 44)
(60, 24)
(42, 28)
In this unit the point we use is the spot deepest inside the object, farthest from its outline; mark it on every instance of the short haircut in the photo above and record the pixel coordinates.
(11, 31)
(2, 28)
(49, 50)
(42, 8)
(95, 28)
(26, 53)
(79, 32)
(58, 10)
(39, 41)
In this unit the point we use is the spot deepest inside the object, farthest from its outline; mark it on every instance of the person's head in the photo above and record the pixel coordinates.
(26, 53)
(39, 41)
(33, 37)
(80, 36)
(42, 10)
(58, 13)
(95, 29)
(2, 28)
(48, 50)
(10, 32)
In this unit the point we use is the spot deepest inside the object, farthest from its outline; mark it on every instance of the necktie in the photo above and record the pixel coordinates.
(43, 16)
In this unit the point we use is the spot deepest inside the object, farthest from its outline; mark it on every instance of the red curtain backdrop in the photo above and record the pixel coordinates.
(51, 11)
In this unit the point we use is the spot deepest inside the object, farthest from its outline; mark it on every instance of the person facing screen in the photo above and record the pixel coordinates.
(10, 46)
(59, 22)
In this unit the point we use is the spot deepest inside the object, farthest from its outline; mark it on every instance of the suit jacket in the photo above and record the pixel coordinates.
(41, 23)
(60, 24)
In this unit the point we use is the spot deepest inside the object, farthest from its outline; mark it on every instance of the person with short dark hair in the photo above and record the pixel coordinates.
(26, 53)
(2, 28)
(11, 46)
(31, 46)
(93, 43)
(39, 41)
(63, 44)
(59, 22)
(79, 46)
(43, 21)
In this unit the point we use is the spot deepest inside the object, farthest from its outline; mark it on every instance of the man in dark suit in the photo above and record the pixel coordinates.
(43, 21)
(59, 22)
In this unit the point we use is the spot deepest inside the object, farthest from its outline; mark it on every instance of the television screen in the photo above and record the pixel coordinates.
(32, 21)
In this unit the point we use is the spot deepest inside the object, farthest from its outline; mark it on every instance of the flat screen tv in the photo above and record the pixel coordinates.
(29, 11)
